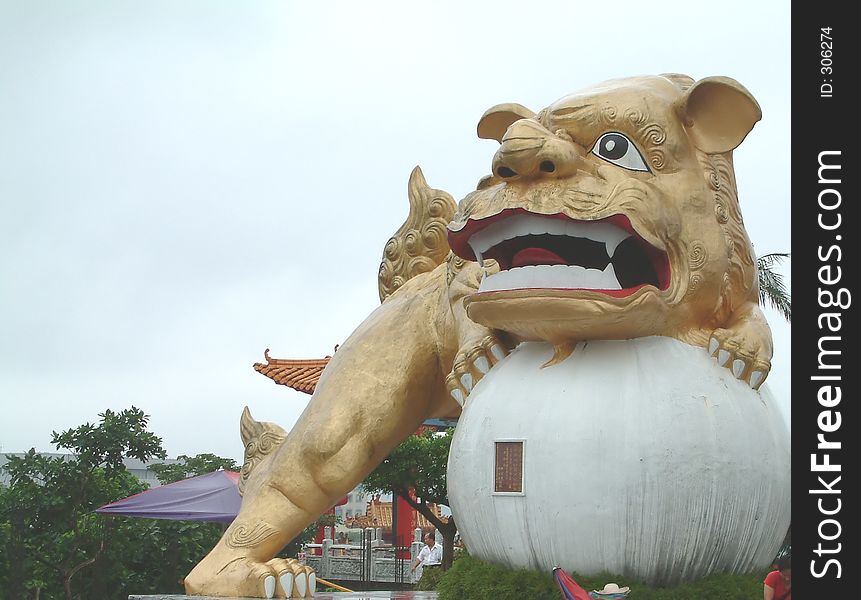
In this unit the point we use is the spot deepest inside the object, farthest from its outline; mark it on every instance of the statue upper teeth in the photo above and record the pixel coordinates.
(523, 224)
(549, 276)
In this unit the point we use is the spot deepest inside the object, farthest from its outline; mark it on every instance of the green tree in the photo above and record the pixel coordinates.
(772, 289)
(419, 464)
(47, 510)
(53, 545)
(191, 466)
(168, 550)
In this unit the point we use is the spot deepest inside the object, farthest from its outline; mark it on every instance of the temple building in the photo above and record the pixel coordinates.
(379, 514)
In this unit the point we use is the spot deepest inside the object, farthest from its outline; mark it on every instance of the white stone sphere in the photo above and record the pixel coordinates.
(641, 457)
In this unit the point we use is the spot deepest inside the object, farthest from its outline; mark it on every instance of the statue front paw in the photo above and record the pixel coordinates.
(244, 577)
(294, 579)
(742, 352)
(472, 362)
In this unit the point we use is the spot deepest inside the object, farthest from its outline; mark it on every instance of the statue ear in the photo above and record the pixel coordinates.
(496, 121)
(718, 112)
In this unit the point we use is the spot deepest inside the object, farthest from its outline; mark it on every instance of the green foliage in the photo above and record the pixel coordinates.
(472, 578)
(52, 544)
(713, 587)
(430, 579)
(48, 507)
(191, 466)
(475, 579)
(328, 520)
(118, 436)
(159, 555)
(419, 462)
(772, 289)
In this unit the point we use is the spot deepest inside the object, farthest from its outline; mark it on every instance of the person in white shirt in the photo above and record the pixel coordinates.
(430, 555)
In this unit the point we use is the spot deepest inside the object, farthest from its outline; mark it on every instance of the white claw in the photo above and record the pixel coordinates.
(301, 582)
(466, 382)
(713, 345)
(269, 586)
(738, 367)
(312, 584)
(723, 357)
(457, 395)
(755, 378)
(497, 351)
(482, 365)
(287, 584)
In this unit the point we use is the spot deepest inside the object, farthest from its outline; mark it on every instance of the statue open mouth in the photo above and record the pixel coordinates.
(555, 252)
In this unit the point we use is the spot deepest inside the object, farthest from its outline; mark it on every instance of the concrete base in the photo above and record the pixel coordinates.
(402, 595)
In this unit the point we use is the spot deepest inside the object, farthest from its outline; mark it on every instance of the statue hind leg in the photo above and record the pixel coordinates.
(377, 389)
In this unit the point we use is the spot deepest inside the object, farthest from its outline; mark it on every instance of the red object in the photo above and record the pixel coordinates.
(536, 256)
(406, 526)
(569, 588)
(775, 582)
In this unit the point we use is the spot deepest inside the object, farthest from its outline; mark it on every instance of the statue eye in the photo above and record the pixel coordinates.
(619, 150)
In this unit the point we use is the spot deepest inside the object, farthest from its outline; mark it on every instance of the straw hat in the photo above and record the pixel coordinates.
(612, 588)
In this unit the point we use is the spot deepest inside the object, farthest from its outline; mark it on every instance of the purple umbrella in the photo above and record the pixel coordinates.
(211, 497)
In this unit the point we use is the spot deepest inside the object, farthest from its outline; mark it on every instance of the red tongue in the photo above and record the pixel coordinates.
(536, 256)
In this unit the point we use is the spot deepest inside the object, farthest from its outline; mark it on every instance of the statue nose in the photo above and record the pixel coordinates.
(529, 150)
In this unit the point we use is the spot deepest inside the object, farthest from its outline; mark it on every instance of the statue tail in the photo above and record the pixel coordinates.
(421, 244)
(260, 439)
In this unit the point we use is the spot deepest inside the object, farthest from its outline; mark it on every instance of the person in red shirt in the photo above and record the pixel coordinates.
(778, 584)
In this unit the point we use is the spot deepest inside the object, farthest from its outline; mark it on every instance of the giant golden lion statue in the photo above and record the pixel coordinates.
(611, 214)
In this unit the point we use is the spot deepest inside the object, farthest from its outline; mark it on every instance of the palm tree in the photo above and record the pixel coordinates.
(772, 290)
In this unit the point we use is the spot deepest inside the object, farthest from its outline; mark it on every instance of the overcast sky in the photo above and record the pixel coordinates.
(185, 184)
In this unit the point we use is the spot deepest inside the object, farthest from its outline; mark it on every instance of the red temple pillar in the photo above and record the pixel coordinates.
(406, 522)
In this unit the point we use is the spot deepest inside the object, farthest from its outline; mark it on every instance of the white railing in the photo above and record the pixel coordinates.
(344, 562)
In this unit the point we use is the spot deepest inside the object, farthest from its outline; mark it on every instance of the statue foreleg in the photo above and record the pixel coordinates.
(378, 388)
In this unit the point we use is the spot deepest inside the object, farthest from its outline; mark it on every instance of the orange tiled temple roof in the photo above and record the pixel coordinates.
(301, 375)
(379, 514)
